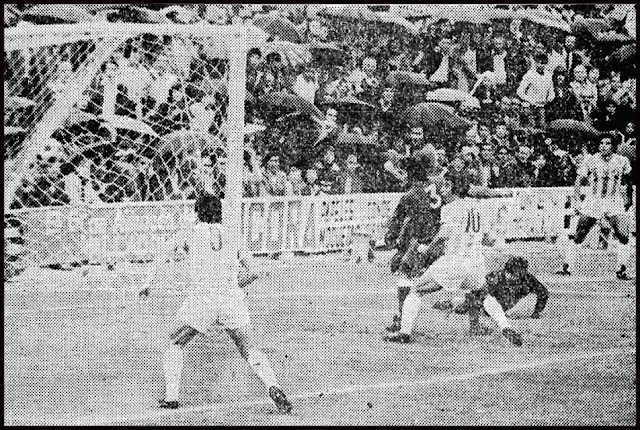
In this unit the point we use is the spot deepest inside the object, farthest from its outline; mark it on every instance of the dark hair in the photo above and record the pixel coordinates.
(269, 156)
(541, 58)
(254, 51)
(516, 264)
(208, 208)
(272, 57)
(67, 169)
(557, 74)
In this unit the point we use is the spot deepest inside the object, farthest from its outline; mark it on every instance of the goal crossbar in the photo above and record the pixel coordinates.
(29, 36)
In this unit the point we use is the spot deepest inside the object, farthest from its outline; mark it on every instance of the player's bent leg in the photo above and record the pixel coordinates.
(495, 311)
(523, 308)
(584, 226)
(173, 363)
(260, 365)
(620, 226)
(411, 309)
(474, 301)
(404, 286)
(183, 335)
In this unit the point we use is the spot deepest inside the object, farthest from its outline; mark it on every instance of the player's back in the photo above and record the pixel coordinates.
(422, 205)
(462, 219)
(208, 268)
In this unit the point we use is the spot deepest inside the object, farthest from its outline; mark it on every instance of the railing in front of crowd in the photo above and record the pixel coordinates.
(270, 225)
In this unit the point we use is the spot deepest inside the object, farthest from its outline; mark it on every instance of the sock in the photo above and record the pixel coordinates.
(260, 365)
(623, 253)
(402, 295)
(410, 311)
(172, 363)
(495, 311)
(571, 256)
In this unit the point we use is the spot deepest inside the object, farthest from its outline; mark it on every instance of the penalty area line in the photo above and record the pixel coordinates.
(155, 414)
(300, 294)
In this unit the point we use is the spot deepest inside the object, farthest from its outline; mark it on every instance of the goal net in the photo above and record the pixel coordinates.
(105, 131)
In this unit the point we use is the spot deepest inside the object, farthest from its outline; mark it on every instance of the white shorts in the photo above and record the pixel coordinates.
(598, 208)
(205, 311)
(451, 271)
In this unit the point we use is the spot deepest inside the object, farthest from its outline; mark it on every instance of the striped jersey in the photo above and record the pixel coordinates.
(605, 192)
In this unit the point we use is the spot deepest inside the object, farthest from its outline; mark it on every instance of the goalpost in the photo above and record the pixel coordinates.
(105, 124)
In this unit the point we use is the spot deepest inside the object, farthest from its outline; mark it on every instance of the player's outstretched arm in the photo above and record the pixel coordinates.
(163, 251)
(540, 290)
(396, 223)
(627, 182)
(581, 175)
(249, 271)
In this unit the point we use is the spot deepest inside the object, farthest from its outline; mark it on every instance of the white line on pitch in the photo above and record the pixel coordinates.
(308, 294)
(592, 293)
(149, 415)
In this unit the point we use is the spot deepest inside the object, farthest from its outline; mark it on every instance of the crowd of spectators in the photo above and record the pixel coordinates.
(523, 76)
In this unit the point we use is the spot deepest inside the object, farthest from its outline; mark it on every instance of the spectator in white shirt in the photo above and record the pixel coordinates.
(364, 79)
(109, 88)
(499, 64)
(136, 78)
(306, 85)
(78, 183)
(536, 89)
(442, 74)
(202, 115)
(556, 57)
(585, 91)
(295, 182)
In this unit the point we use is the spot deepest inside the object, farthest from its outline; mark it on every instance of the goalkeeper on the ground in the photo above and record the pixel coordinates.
(509, 285)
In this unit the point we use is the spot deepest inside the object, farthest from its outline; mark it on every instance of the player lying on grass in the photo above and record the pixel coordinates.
(508, 285)
(608, 197)
(462, 268)
(212, 302)
(417, 217)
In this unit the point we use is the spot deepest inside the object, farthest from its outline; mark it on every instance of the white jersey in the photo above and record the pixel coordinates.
(213, 299)
(208, 268)
(462, 218)
(605, 191)
(464, 264)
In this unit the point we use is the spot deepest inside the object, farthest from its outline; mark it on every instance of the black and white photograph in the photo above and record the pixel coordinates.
(320, 214)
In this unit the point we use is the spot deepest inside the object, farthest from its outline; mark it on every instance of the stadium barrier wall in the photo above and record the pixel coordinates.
(132, 231)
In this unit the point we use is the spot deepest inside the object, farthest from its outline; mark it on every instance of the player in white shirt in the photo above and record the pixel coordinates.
(211, 301)
(469, 255)
(607, 198)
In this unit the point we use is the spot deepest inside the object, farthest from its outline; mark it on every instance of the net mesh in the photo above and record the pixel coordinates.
(101, 123)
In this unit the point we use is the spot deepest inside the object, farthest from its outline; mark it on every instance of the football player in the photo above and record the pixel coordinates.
(608, 197)
(508, 285)
(415, 222)
(211, 301)
(462, 268)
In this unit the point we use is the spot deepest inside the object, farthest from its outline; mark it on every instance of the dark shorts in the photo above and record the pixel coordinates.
(412, 263)
(586, 223)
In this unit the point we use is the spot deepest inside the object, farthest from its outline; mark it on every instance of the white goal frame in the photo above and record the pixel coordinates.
(235, 41)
